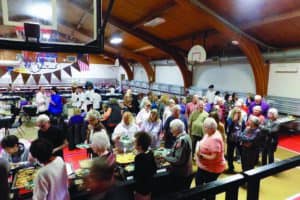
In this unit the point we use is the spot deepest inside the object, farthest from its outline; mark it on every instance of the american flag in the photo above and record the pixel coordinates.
(83, 62)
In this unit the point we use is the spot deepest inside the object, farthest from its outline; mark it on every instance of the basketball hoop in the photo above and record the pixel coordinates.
(196, 55)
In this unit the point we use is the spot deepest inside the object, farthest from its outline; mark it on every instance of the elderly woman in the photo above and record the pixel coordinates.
(153, 126)
(144, 113)
(126, 128)
(250, 143)
(100, 145)
(93, 119)
(180, 156)
(210, 154)
(270, 131)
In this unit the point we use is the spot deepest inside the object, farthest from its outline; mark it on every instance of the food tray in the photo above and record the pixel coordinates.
(24, 178)
(125, 158)
(83, 146)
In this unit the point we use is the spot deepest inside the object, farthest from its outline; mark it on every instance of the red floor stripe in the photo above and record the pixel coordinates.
(291, 142)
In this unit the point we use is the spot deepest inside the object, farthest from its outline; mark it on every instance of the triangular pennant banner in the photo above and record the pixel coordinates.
(36, 78)
(25, 77)
(57, 74)
(14, 76)
(3, 70)
(48, 77)
(76, 66)
(68, 70)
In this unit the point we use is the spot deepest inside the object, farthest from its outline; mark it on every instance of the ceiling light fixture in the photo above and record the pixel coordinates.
(116, 39)
(235, 42)
(155, 22)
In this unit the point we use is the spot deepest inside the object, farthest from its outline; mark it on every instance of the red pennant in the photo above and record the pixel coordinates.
(3, 71)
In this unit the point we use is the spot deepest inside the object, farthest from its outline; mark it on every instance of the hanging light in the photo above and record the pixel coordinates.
(116, 39)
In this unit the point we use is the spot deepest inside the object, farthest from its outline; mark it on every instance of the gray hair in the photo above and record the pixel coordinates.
(177, 124)
(100, 140)
(42, 119)
(274, 111)
(257, 108)
(210, 123)
(175, 108)
(257, 97)
(93, 114)
(254, 119)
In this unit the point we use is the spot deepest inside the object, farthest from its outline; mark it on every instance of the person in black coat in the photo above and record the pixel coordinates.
(4, 189)
(144, 166)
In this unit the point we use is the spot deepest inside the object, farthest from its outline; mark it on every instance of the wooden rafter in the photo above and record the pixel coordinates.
(272, 19)
(124, 63)
(198, 33)
(153, 13)
(174, 52)
(125, 53)
(249, 48)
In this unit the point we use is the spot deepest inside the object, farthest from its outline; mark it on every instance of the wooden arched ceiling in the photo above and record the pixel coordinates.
(273, 22)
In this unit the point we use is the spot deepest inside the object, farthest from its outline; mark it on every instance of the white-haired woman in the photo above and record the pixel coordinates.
(209, 154)
(153, 127)
(100, 145)
(270, 131)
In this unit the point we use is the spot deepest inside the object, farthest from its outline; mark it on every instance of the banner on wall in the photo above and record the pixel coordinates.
(36, 78)
(25, 77)
(57, 74)
(83, 62)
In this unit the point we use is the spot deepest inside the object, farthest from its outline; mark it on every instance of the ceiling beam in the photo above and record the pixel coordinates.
(144, 48)
(125, 53)
(153, 14)
(124, 63)
(250, 49)
(193, 35)
(174, 52)
(272, 19)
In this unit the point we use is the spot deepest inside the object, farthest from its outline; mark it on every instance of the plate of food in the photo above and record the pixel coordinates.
(125, 158)
(85, 164)
(24, 178)
(83, 146)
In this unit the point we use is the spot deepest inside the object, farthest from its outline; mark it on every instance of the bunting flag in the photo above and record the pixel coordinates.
(48, 77)
(68, 70)
(14, 76)
(3, 70)
(83, 62)
(57, 74)
(25, 77)
(37, 78)
(76, 66)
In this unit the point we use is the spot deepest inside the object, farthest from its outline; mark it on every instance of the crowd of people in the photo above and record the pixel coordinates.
(201, 131)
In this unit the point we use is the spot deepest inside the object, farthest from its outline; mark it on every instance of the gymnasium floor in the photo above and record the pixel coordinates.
(281, 186)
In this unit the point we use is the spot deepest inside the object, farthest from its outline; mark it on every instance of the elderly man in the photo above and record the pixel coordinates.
(192, 106)
(270, 130)
(180, 156)
(52, 134)
(168, 136)
(196, 123)
(258, 101)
